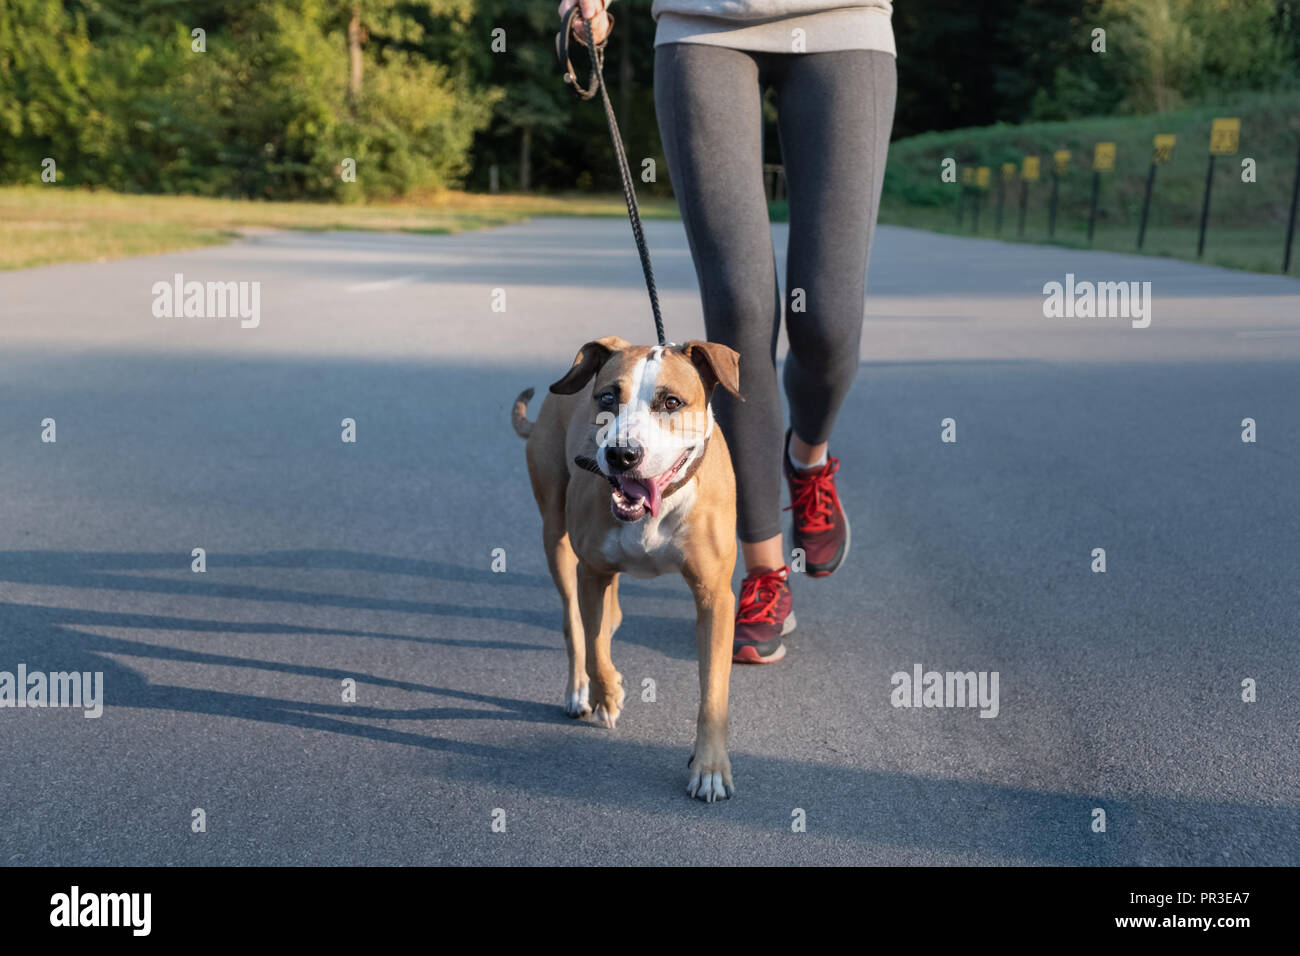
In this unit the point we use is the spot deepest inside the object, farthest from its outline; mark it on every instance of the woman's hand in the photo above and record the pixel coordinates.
(593, 10)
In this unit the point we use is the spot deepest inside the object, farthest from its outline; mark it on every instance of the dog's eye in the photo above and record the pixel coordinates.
(672, 403)
(606, 399)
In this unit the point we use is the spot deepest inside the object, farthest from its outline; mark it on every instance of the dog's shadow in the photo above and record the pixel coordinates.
(66, 638)
(860, 805)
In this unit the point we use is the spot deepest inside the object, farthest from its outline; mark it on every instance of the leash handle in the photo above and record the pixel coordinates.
(596, 83)
(566, 64)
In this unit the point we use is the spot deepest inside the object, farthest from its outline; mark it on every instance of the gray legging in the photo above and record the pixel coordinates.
(836, 110)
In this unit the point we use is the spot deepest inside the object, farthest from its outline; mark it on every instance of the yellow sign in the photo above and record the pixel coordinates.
(1164, 148)
(1062, 158)
(1103, 157)
(1224, 133)
(1029, 171)
(982, 176)
(1008, 171)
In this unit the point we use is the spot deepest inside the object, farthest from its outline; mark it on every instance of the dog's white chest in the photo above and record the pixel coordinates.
(650, 547)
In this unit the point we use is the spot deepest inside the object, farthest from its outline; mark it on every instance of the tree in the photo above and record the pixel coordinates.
(44, 53)
(269, 106)
(1177, 50)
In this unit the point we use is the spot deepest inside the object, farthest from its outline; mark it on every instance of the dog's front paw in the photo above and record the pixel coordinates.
(711, 779)
(609, 701)
(577, 702)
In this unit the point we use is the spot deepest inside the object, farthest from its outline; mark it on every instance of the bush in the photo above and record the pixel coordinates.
(119, 99)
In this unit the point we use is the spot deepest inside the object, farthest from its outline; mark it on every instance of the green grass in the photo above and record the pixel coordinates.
(40, 225)
(1252, 249)
(1247, 220)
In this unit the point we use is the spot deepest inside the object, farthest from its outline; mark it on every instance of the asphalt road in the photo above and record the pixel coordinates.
(372, 561)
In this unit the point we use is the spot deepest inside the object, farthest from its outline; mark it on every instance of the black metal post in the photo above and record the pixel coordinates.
(1024, 205)
(961, 205)
(1092, 211)
(1051, 212)
(979, 201)
(1002, 196)
(1205, 207)
(1146, 205)
(1290, 223)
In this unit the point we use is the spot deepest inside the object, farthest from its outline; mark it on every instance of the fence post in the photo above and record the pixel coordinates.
(1290, 223)
(1205, 207)
(1146, 205)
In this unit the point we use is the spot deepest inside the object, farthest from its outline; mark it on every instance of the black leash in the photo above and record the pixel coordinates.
(589, 464)
(596, 83)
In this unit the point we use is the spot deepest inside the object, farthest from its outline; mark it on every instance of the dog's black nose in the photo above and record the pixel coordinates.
(624, 457)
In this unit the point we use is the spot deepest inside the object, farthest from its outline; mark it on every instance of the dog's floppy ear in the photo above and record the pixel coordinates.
(717, 365)
(588, 362)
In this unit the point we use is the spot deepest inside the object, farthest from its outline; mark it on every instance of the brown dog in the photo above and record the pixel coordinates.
(631, 474)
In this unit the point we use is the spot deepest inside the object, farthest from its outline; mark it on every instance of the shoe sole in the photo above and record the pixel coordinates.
(748, 653)
(826, 571)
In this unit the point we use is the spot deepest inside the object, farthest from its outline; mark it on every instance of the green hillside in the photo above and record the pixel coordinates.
(1247, 220)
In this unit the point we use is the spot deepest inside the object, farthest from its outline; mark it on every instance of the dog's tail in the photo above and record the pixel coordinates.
(518, 418)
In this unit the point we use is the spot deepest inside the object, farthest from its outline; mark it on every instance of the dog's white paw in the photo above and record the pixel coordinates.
(578, 703)
(711, 780)
(609, 718)
(608, 711)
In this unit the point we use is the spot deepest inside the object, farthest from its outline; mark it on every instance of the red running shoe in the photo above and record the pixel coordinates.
(821, 528)
(763, 617)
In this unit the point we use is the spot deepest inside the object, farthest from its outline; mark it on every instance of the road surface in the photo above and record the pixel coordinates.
(373, 561)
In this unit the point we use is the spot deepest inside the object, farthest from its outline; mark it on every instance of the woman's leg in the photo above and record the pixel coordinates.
(836, 111)
(709, 104)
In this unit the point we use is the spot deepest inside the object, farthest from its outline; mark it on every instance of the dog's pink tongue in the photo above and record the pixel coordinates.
(649, 490)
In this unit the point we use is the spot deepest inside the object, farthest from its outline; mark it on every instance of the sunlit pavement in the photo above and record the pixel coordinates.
(372, 562)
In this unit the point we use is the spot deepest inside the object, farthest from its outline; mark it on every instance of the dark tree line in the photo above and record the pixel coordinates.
(425, 94)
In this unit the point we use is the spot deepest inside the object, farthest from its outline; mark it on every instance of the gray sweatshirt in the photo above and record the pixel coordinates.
(777, 26)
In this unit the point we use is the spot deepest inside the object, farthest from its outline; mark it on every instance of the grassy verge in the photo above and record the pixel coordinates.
(1247, 219)
(1257, 249)
(44, 225)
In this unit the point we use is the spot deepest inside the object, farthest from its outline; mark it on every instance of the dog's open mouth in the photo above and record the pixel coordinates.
(635, 496)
